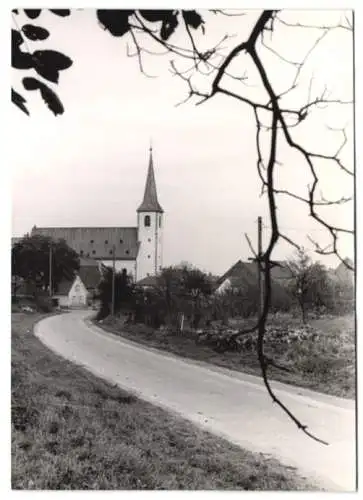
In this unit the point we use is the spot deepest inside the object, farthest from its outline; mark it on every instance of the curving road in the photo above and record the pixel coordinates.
(231, 404)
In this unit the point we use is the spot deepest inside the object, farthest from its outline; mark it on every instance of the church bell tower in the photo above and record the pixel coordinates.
(150, 228)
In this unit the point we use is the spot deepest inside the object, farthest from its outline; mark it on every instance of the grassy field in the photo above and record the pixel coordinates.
(71, 430)
(324, 363)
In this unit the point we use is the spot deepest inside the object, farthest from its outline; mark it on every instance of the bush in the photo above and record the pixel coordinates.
(44, 304)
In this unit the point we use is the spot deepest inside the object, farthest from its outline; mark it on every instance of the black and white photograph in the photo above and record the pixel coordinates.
(183, 248)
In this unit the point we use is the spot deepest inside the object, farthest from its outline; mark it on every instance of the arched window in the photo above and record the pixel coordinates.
(147, 221)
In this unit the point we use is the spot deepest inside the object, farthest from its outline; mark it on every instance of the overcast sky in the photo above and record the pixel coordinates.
(88, 167)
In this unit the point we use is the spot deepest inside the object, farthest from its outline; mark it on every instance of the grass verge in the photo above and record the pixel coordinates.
(71, 430)
(325, 363)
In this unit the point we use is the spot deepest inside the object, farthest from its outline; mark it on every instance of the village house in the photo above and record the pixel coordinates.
(83, 289)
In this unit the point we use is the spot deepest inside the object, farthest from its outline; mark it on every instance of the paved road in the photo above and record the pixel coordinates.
(230, 404)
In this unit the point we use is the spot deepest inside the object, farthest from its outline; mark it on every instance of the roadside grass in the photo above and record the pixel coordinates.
(325, 362)
(73, 431)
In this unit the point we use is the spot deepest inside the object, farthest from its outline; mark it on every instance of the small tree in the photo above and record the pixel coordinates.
(123, 291)
(184, 289)
(310, 284)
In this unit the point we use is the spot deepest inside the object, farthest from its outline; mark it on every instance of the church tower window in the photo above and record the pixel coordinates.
(147, 221)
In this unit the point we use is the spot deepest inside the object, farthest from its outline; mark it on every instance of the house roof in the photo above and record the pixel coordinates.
(279, 272)
(243, 274)
(64, 287)
(150, 202)
(96, 242)
(239, 270)
(148, 281)
(343, 273)
(90, 276)
(88, 262)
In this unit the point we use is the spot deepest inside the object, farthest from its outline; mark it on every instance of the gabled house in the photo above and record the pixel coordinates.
(280, 273)
(236, 278)
(345, 275)
(82, 290)
(245, 274)
(72, 294)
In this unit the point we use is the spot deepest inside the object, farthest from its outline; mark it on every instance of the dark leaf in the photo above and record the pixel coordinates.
(168, 26)
(35, 33)
(154, 16)
(49, 97)
(193, 19)
(115, 21)
(19, 59)
(52, 57)
(49, 73)
(19, 101)
(61, 12)
(32, 13)
(48, 63)
(16, 38)
(31, 83)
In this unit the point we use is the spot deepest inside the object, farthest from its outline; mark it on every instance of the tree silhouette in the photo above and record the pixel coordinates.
(310, 283)
(277, 118)
(123, 291)
(31, 260)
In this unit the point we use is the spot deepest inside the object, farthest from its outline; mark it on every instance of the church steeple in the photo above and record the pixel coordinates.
(150, 202)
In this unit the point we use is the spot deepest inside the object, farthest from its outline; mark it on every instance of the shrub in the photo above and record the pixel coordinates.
(44, 304)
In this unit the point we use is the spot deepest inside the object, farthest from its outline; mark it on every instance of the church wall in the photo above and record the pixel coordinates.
(129, 265)
(149, 256)
(159, 242)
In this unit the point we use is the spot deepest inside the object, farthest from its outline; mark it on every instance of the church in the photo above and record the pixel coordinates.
(136, 249)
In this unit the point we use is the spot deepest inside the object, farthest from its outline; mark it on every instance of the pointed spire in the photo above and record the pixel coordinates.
(150, 202)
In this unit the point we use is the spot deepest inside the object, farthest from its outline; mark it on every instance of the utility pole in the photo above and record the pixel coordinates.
(50, 269)
(260, 271)
(113, 281)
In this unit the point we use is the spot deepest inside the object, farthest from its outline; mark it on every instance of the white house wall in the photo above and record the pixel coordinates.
(129, 265)
(78, 294)
(223, 287)
(63, 300)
